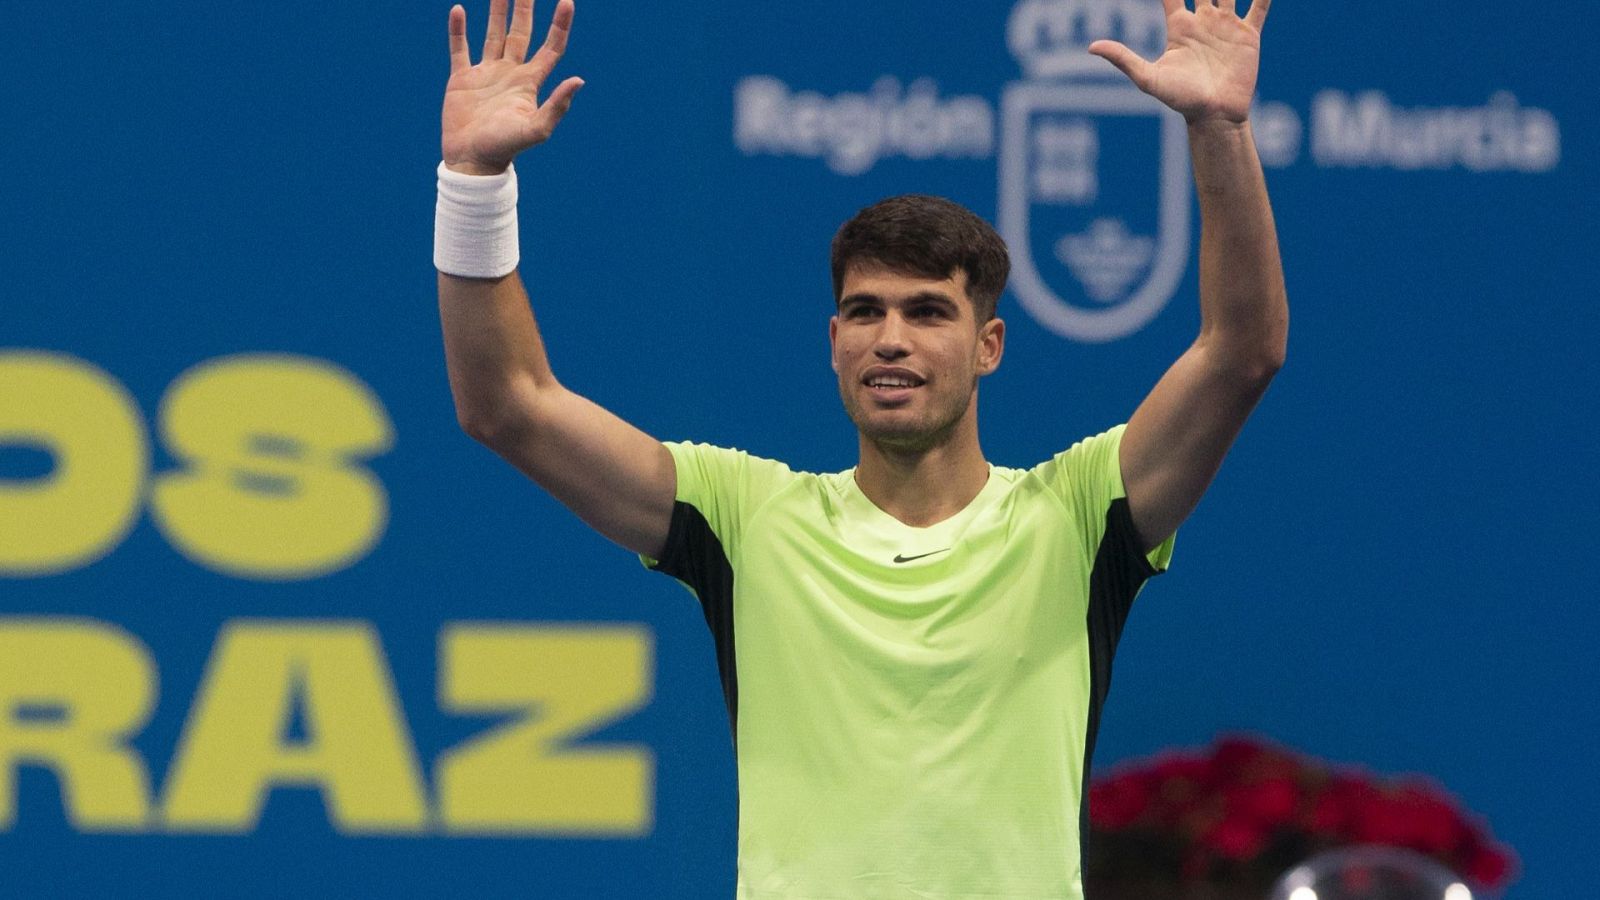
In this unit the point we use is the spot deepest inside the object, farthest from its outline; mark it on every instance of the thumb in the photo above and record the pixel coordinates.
(560, 99)
(550, 113)
(1131, 64)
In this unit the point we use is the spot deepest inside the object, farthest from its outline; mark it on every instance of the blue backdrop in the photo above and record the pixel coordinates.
(245, 550)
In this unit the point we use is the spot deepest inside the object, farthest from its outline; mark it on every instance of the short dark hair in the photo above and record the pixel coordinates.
(927, 236)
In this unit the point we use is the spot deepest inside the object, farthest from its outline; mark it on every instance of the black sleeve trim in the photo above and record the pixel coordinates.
(1120, 569)
(694, 555)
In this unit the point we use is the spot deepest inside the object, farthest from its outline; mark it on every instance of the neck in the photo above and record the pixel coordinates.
(925, 485)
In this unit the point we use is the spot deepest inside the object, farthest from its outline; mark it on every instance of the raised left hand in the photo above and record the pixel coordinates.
(492, 110)
(1208, 70)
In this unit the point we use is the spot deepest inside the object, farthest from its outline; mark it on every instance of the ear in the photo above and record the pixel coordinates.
(833, 343)
(991, 345)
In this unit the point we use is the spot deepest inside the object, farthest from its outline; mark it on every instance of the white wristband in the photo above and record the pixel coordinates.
(475, 224)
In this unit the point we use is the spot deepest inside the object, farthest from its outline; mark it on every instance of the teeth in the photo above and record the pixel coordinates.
(881, 382)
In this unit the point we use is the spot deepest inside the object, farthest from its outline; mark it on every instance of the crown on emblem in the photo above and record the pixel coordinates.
(1051, 38)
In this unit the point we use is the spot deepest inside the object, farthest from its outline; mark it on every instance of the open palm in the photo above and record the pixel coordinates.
(492, 110)
(1208, 70)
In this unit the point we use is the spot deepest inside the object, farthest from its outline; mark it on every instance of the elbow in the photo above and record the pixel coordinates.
(1271, 360)
(1253, 348)
(1252, 362)
(493, 429)
(1260, 368)
(1279, 347)
(478, 426)
(494, 418)
(1260, 355)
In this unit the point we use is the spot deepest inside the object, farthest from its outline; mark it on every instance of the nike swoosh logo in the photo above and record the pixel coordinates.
(905, 559)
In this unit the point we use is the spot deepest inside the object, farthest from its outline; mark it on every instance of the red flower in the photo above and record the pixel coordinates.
(1175, 767)
(1336, 810)
(1490, 866)
(1269, 802)
(1434, 826)
(1236, 839)
(1381, 817)
(1236, 753)
(1118, 802)
(1179, 783)
(1197, 818)
(1326, 816)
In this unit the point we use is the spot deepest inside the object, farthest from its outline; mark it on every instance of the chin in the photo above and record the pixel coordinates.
(911, 436)
(901, 429)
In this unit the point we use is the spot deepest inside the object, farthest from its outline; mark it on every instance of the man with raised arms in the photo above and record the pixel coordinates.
(914, 652)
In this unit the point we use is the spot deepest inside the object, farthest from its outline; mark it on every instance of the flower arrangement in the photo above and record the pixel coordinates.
(1229, 821)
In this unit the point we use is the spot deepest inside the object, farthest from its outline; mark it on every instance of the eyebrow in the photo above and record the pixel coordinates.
(918, 297)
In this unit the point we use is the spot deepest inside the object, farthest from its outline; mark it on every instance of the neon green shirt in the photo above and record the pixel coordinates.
(913, 709)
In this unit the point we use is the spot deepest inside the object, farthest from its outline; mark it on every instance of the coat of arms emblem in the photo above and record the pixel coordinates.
(1095, 253)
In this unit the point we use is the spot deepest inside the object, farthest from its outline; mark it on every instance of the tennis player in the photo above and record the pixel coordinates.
(914, 652)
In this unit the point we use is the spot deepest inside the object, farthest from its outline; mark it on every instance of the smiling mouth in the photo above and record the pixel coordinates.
(891, 385)
(891, 395)
(891, 388)
(892, 382)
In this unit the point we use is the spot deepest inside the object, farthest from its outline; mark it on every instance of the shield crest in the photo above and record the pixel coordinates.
(1094, 205)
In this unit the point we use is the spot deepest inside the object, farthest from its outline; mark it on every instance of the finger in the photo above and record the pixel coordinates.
(521, 31)
(560, 99)
(460, 57)
(1132, 64)
(554, 109)
(555, 42)
(1226, 6)
(1257, 15)
(494, 42)
(1175, 6)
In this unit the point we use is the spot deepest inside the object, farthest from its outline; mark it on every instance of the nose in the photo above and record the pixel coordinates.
(890, 341)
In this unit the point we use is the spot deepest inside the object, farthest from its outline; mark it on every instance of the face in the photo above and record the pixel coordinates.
(908, 351)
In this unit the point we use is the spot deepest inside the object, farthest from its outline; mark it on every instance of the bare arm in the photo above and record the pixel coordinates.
(614, 476)
(1177, 438)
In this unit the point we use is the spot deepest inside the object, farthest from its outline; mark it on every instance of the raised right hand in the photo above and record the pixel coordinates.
(492, 110)
(1208, 70)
